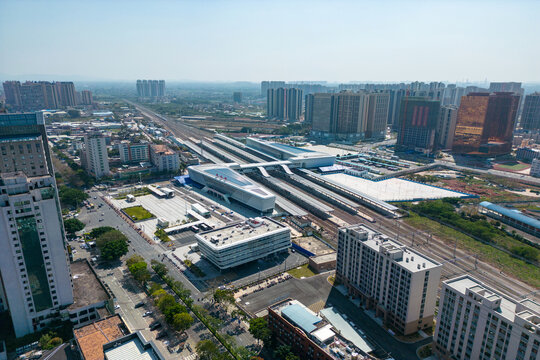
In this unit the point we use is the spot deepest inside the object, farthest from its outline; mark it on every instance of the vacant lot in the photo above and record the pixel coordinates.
(138, 213)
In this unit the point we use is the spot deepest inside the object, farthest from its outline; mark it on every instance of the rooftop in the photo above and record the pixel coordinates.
(91, 338)
(508, 307)
(132, 347)
(345, 329)
(313, 245)
(299, 315)
(514, 214)
(239, 232)
(403, 256)
(87, 289)
(162, 149)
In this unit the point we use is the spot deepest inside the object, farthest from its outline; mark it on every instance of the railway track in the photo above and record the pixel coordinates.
(431, 246)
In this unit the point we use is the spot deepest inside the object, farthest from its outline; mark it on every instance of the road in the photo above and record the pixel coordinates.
(129, 294)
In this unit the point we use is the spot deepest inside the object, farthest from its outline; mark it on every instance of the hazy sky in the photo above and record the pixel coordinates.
(282, 40)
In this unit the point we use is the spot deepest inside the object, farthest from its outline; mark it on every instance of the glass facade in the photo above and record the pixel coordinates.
(35, 266)
(485, 123)
(418, 122)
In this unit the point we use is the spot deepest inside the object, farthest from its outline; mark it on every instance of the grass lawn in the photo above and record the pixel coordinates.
(137, 213)
(519, 269)
(513, 166)
(301, 271)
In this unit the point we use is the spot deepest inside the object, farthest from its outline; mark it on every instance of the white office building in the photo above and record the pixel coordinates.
(223, 182)
(240, 243)
(478, 322)
(399, 283)
(96, 159)
(133, 153)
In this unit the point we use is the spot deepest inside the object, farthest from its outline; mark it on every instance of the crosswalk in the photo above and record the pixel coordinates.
(190, 357)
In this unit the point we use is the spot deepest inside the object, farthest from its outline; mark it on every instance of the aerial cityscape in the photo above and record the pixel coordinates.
(281, 180)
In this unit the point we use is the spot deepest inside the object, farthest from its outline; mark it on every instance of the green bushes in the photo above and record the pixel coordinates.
(162, 235)
(477, 226)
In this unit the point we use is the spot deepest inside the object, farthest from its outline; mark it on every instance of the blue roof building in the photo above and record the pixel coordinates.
(514, 218)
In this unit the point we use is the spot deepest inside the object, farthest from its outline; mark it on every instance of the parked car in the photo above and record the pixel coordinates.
(139, 304)
(148, 313)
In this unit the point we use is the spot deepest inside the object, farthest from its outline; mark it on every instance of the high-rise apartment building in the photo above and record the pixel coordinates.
(530, 117)
(485, 123)
(513, 87)
(377, 116)
(133, 153)
(266, 85)
(86, 97)
(418, 121)
(478, 322)
(12, 91)
(446, 127)
(284, 104)
(319, 113)
(237, 97)
(39, 95)
(95, 155)
(66, 93)
(399, 283)
(154, 89)
(35, 277)
(349, 115)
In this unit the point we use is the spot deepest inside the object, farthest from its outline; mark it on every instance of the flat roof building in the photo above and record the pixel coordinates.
(511, 217)
(132, 347)
(399, 283)
(478, 322)
(243, 242)
(311, 336)
(299, 156)
(226, 183)
(164, 158)
(91, 338)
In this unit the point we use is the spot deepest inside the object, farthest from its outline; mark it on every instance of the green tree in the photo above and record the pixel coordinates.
(282, 352)
(70, 196)
(258, 327)
(74, 113)
(206, 349)
(172, 310)
(159, 268)
(140, 272)
(97, 232)
(182, 321)
(73, 225)
(224, 296)
(112, 245)
(165, 302)
(133, 259)
(50, 341)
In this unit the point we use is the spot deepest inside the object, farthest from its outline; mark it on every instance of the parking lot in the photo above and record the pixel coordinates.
(312, 292)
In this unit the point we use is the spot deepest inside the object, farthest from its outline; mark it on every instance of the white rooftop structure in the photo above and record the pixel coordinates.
(132, 347)
(240, 243)
(401, 255)
(222, 181)
(302, 157)
(393, 189)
